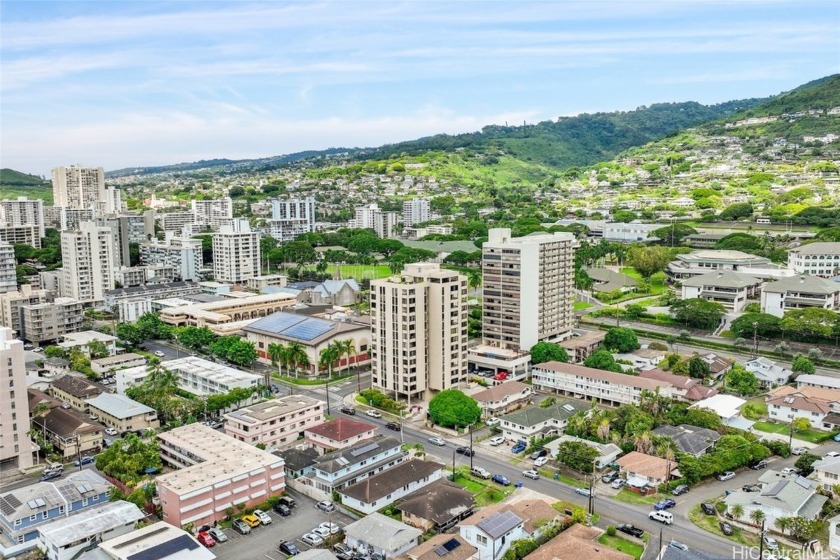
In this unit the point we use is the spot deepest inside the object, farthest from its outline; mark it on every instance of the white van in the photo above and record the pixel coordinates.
(662, 516)
(764, 221)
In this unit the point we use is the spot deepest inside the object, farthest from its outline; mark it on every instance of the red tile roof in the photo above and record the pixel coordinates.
(341, 429)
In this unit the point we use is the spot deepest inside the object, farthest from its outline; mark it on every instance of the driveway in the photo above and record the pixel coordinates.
(263, 541)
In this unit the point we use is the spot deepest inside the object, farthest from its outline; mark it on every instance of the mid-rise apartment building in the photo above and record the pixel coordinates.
(372, 217)
(275, 422)
(195, 375)
(182, 253)
(290, 218)
(127, 229)
(122, 413)
(419, 331)
(51, 320)
(214, 213)
(23, 212)
(28, 235)
(89, 257)
(800, 292)
(176, 221)
(236, 253)
(817, 259)
(12, 302)
(14, 412)
(528, 288)
(589, 383)
(78, 187)
(8, 269)
(415, 211)
(214, 472)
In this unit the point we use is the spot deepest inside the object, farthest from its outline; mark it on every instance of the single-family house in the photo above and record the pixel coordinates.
(606, 281)
(339, 433)
(642, 470)
(731, 289)
(343, 467)
(607, 452)
(379, 534)
(767, 372)
(786, 403)
(689, 439)
(827, 471)
(444, 546)
(536, 421)
(159, 540)
(384, 488)
(642, 359)
(503, 398)
(728, 409)
(437, 507)
(682, 387)
(578, 541)
(781, 496)
(718, 366)
(67, 537)
(492, 532)
(299, 462)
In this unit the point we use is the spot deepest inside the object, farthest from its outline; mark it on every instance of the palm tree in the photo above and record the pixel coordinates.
(474, 279)
(277, 355)
(348, 348)
(643, 443)
(296, 355)
(757, 516)
(783, 524)
(328, 356)
(604, 430)
(737, 511)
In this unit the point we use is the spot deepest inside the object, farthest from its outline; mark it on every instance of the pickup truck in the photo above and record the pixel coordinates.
(480, 472)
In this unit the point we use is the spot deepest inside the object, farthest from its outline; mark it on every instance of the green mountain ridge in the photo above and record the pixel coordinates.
(14, 184)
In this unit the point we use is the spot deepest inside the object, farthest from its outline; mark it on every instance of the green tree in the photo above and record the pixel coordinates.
(674, 234)
(130, 334)
(810, 323)
(328, 356)
(297, 356)
(603, 360)
(698, 313)
(741, 381)
(804, 463)
(278, 355)
(451, 408)
(97, 349)
(649, 260)
(801, 364)
(800, 424)
(128, 458)
(543, 352)
(195, 337)
(737, 511)
(621, 339)
(242, 352)
(766, 325)
(737, 211)
(698, 368)
(577, 456)
(55, 352)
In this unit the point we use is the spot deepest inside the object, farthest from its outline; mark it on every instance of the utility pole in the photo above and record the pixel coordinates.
(453, 465)
(79, 451)
(329, 411)
(761, 542)
(591, 482)
(402, 437)
(471, 446)
(755, 339)
(790, 440)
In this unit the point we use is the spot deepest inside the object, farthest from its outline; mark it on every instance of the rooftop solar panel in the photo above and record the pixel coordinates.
(181, 543)
(309, 329)
(9, 503)
(278, 322)
(499, 524)
(364, 449)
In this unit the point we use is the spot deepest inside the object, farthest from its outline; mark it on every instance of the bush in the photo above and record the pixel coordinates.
(779, 448)
(611, 530)
(382, 401)
(720, 507)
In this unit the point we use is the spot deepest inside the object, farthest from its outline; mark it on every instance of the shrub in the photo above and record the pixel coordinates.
(611, 530)
(720, 507)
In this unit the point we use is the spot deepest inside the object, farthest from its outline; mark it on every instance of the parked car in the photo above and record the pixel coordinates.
(836, 437)
(326, 506)
(798, 451)
(346, 410)
(497, 440)
(728, 475)
(312, 539)
(480, 472)
(87, 460)
(206, 539)
(678, 544)
(111, 431)
(288, 548)
(585, 492)
(282, 509)
(39, 349)
(465, 451)
(93, 417)
(708, 508)
(373, 414)
(630, 530)
(49, 475)
(618, 483)
(264, 518)
(759, 465)
(218, 534)
(680, 490)
(541, 461)
(609, 477)
(501, 479)
(751, 488)
(241, 527)
(539, 453)
(287, 501)
(726, 528)
(831, 454)
(393, 426)
(251, 520)
(664, 504)
(493, 422)
(519, 447)
(331, 528)
(159, 354)
(323, 532)
(665, 517)
(533, 475)
(789, 471)
(501, 376)
(770, 542)
(437, 441)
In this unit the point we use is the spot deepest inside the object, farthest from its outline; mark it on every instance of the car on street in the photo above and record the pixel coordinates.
(288, 548)
(282, 509)
(630, 530)
(39, 349)
(665, 517)
(87, 460)
(759, 465)
(206, 539)
(159, 354)
(465, 451)
(497, 440)
(218, 534)
(519, 447)
(770, 542)
(93, 417)
(251, 520)
(609, 477)
(437, 441)
(480, 472)
(346, 410)
(50, 475)
(312, 539)
(215, 424)
(111, 431)
(533, 475)
(373, 414)
(751, 488)
(789, 471)
(708, 508)
(618, 483)
(264, 518)
(678, 544)
(501, 479)
(241, 527)
(541, 461)
(725, 528)
(585, 492)
(680, 490)
(326, 506)
(539, 453)
(664, 504)
(393, 426)
(798, 451)
(728, 475)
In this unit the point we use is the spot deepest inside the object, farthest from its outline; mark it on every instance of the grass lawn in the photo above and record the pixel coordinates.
(361, 271)
(631, 272)
(305, 381)
(563, 507)
(710, 523)
(814, 436)
(633, 549)
(485, 493)
(629, 497)
(581, 305)
(758, 405)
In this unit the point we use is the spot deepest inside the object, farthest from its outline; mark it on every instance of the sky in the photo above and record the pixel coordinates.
(124, 84)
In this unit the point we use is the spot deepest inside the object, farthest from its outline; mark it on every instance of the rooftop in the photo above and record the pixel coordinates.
(803, 284)
(578, 541)
(498, 392)
(584, 340)
(86, 337)
(722, 279)
(341, 429)
(794, 495)
(137, 290)
(65, 422)
(111, 515)
(79, 387)
(42, 496)
(382, 532)
(219, 374)
(301, 328)
(439, 502)
(694, 390)
(823, 380)
(601, 375)
(274, 408)
(819, 248)
(499, 524)
(689, 439)
(119, 358)
(443, 547)
(338, 460)
(725, 406)
(119, 406)
(158, 541)
(722, 256)
(646, 465)
(534, 415)
(379, 485)
(298, 459)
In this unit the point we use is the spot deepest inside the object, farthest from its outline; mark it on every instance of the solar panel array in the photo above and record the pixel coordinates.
(364, 449)
(179, 544)
(499, 524)
(294, 326)
(447, 547)
(9, 503)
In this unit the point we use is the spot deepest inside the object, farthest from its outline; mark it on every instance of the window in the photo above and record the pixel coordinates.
(481, 539)
(33, 517)
(44, 514)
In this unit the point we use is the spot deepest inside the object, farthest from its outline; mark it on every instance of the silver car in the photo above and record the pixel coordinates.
(218, 534)
(312, 539)
(437, 441)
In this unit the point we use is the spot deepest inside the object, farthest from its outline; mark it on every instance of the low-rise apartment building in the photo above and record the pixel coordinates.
(195, 375)
(583, 344)
(588, 383)
(103, 366)
(122, 413)
(68, 537)
(75, 391)
(339, 434)
(536, 421)
(214, 472)
(503, 398)
(385, 488)
(275, 422)
(733, 290)
(149, 292)
(800, 292)
(682, 387)
(818, 381)
(818, 259)
(52, 320)
(82, 339)
(71, 433)
(334, 471)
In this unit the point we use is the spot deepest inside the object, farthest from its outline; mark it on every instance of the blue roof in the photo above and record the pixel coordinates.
(290, 325)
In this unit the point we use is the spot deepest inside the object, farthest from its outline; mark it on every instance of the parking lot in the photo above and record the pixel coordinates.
(263, 541)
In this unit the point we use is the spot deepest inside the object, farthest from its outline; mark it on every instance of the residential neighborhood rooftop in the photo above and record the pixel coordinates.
(158, 541)
(438, 502)
(79, 387)
(103, 518)
(576, 542)
(42, 496)
(382, 532)
(533, 415)
(338, 460)
(341, 429)
(431, 549)
(119, 406)
(498, 392)
(377, 486)
(601, 375)
(273, 408)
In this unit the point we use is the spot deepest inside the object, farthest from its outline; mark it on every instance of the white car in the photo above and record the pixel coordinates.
(788, 470)
(312, 539)
(724, 476)
(373, 414)
(498, 440)
(493, 422)
(541, 461)
(111, 431)
(437, 441)
(798, 451)
(831, 454)
(39, 349)
(325, 529)
(531, 474)
(159, 354)
(264, 518)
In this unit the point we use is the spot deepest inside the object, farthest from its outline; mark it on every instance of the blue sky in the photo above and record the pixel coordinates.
(119, 84)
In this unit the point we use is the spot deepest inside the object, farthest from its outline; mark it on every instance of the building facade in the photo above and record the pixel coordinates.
(730, 289)
(23, 212)
(275, 422)
(800, 292)
(183, 254)
(15, 446)
(236, 253)
(42, 322)
(290, 218)
(8, 268)
(78, 187)
(817, 259)
(419, 331)
(588, 383)
(89, 258)
(416, 211)
(122, 413)
(213, 213)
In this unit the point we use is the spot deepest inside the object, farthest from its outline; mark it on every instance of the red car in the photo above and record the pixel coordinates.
(206, 539)
(501, 376)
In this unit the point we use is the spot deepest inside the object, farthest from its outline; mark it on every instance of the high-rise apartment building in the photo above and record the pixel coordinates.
(8, 268)
(23, 212)
(89, 257)
(181, 253)
(14, 413)
(236, 253)
(78, 187)
(372, 217)
(528, 288)
(28, 235)
(127, 229)
(214, 213)
(290, 218)
(419, 331)
(415, 211)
